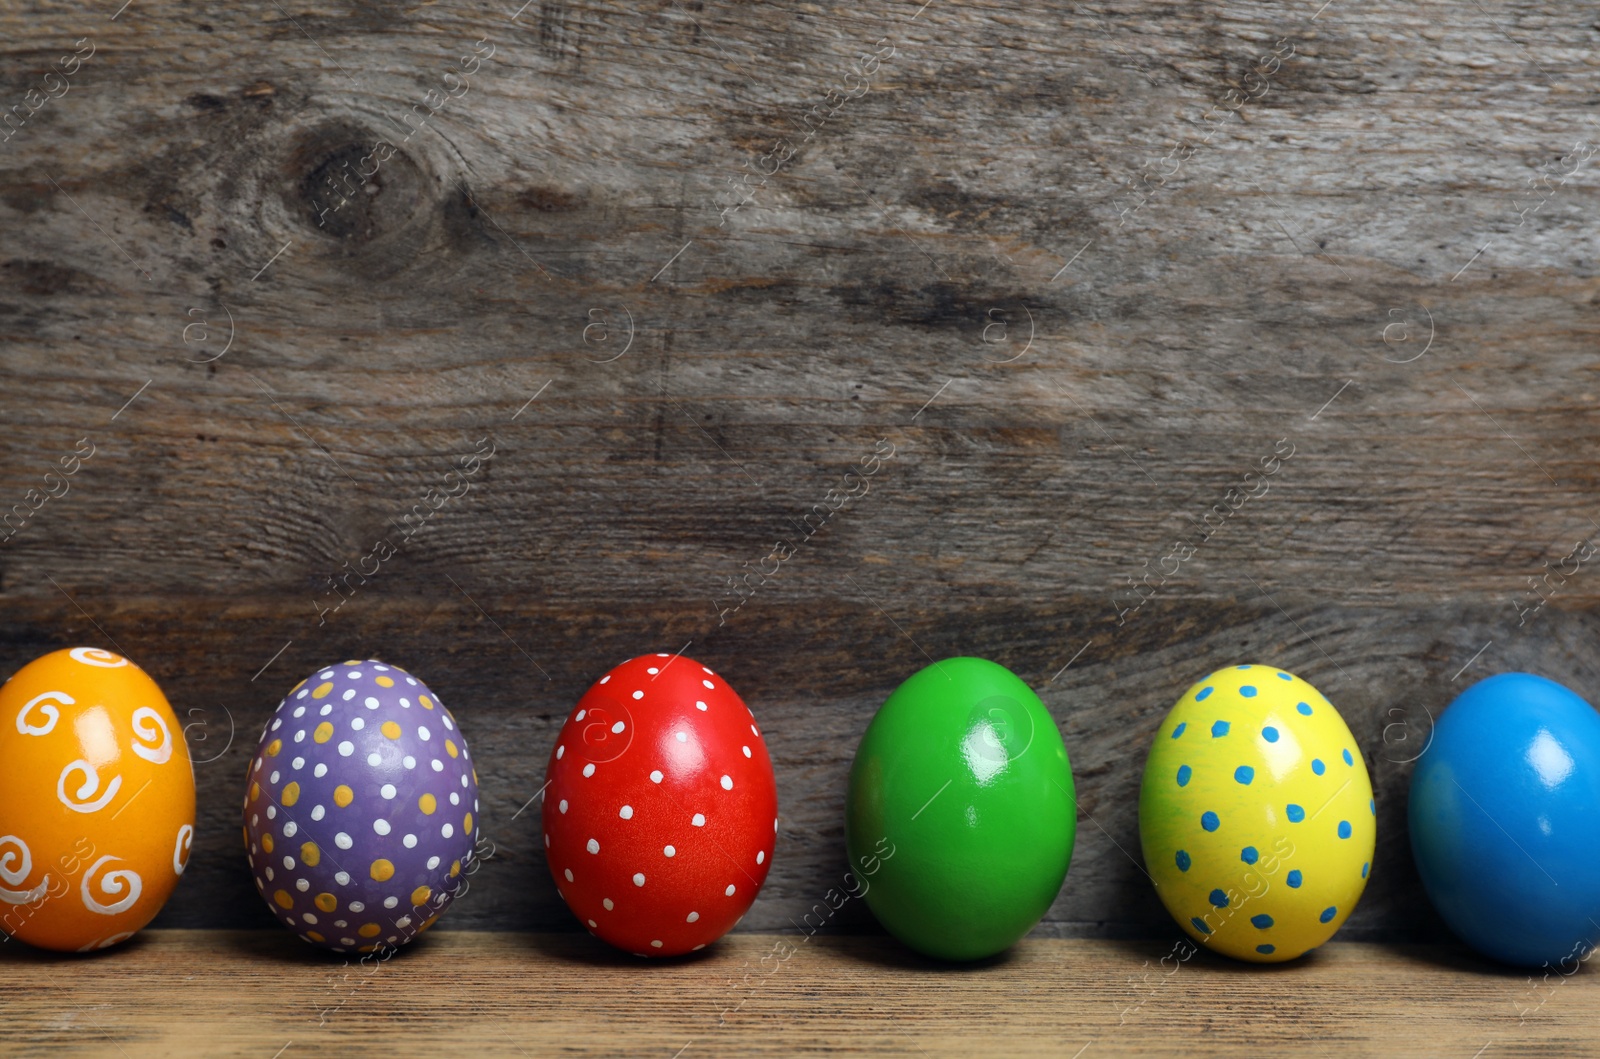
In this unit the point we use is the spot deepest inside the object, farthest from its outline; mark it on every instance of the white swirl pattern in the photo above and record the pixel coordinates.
(48, 711)
(180, 849)
(125, 885)
(15, 866)
(93, 656)
(81, 802)
(148, 727)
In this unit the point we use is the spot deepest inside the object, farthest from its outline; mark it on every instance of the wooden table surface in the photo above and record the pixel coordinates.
(1084, 263)
(264, 995)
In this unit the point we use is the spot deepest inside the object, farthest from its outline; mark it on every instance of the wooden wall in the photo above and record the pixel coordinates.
(1084, 264)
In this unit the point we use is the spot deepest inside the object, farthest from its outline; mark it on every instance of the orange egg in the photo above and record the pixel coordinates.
(96, 800)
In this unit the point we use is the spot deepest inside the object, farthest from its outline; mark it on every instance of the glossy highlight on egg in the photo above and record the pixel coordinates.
(1256, 815)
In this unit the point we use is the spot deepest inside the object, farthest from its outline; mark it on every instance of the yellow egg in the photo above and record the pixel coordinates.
(1256, 815)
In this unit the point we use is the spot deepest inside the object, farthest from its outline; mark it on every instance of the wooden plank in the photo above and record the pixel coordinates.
(1051, 253)
(256, 994)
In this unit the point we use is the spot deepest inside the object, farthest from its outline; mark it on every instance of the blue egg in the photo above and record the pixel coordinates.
(1503, 819)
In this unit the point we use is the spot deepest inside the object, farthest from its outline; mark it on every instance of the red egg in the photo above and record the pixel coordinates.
(660, 807)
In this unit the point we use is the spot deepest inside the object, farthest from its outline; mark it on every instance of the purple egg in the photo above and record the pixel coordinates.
(361, 807)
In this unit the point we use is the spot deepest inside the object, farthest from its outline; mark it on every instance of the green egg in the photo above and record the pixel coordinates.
(961, 812)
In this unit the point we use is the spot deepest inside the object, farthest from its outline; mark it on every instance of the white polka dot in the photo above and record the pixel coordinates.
(327, 709)
(343, 879)
(317, 812)
(546, 846)
(727, 783)
(409, 762)
(433, 862)
(580, 715)
(568, 874)
(563, 805)
(353, 674)
(655, 945)
(638, 695)
(387, 790)
(652, 670)
(288, 864)
(320, 771)
(447, 830)
(438, 766)
(449, 727)
(560, 751)
(422, 733)
(729, 891)
(608, 904)
(699, 820)
(349, 694)
(357, 724)
(299, 763)
(698, 947)
(638, 878)
(626, 812)
(605, 678)
(289, 829)
(700, 706)
(371, 703)
(402, 923)
(308, 917)
(277, 724)
(694, 917)
(275, 775)
(381, 826)
(593, 846)
(405, 703)
(346, 748)
(746, 750)
(708, 683)
(302, 695)
(617, 728)
(761, 856)
(270, 875)
(272, 812)
(707, 672)
(754, 732)
(593, 924)
(588, 770)
(390, 902)
(302, 885)
(655, 777)
(374, 759)
(683, 737)
(455, 799)
(300, 736)
(410, 841)
(670, 851)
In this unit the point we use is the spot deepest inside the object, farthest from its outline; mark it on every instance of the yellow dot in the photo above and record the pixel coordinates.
(455, 869)
(391, 729)
(291, 794)
(283, 899)
(314, 936)
(369, 930)
(450, 747)
(427, 703)
(419, 895)
(266, 843)
(343, 796)
(297, 687)
(368, 948)
(384, 682)
(310, 855)
(321, 690)
(430, 922)
(466, 825)
(382, 871)
(353, 662)
(273, 747)
(255, 791)
(427, 803)
(327, 902)
(324, 732)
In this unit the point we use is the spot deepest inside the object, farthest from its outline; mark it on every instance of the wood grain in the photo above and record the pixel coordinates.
(257, 994)
(1084, 265)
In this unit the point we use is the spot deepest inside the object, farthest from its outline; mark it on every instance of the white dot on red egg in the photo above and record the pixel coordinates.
(655, 777)
(608, 904)
(700, 706)
(617, 728)
(693, 917)
(699, 820)
(593, 846)
(746, 750)
(683, 737)
(708, 683)
(626, 812)
(670, 851)
(593, 924)
(638, 695)
(588, 770)
(652, 671)
(638, 878)
(568, 874)
(727, 783)
(560, 750)
(563, 805)
(729, 891)
(579, 715)
(655, 945)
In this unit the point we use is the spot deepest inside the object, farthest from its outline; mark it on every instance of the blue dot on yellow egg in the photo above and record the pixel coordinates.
(1244, 774)
(1328, 914)
(1183, 860)
(1219, 729)
(1294, 879)
(1344, 829)
(1261, 922)
(1184, 772)
(1219, 899)
(1270, 734)
(1317, 766)
(1209, 821)
(1249, 855)
(1295, 813)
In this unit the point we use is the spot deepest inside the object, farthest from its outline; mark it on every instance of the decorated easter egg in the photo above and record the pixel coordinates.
(1505, 821)
(961, 815)
(96, 800)
(360, 808)
(1256, 815)
(660, 807)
